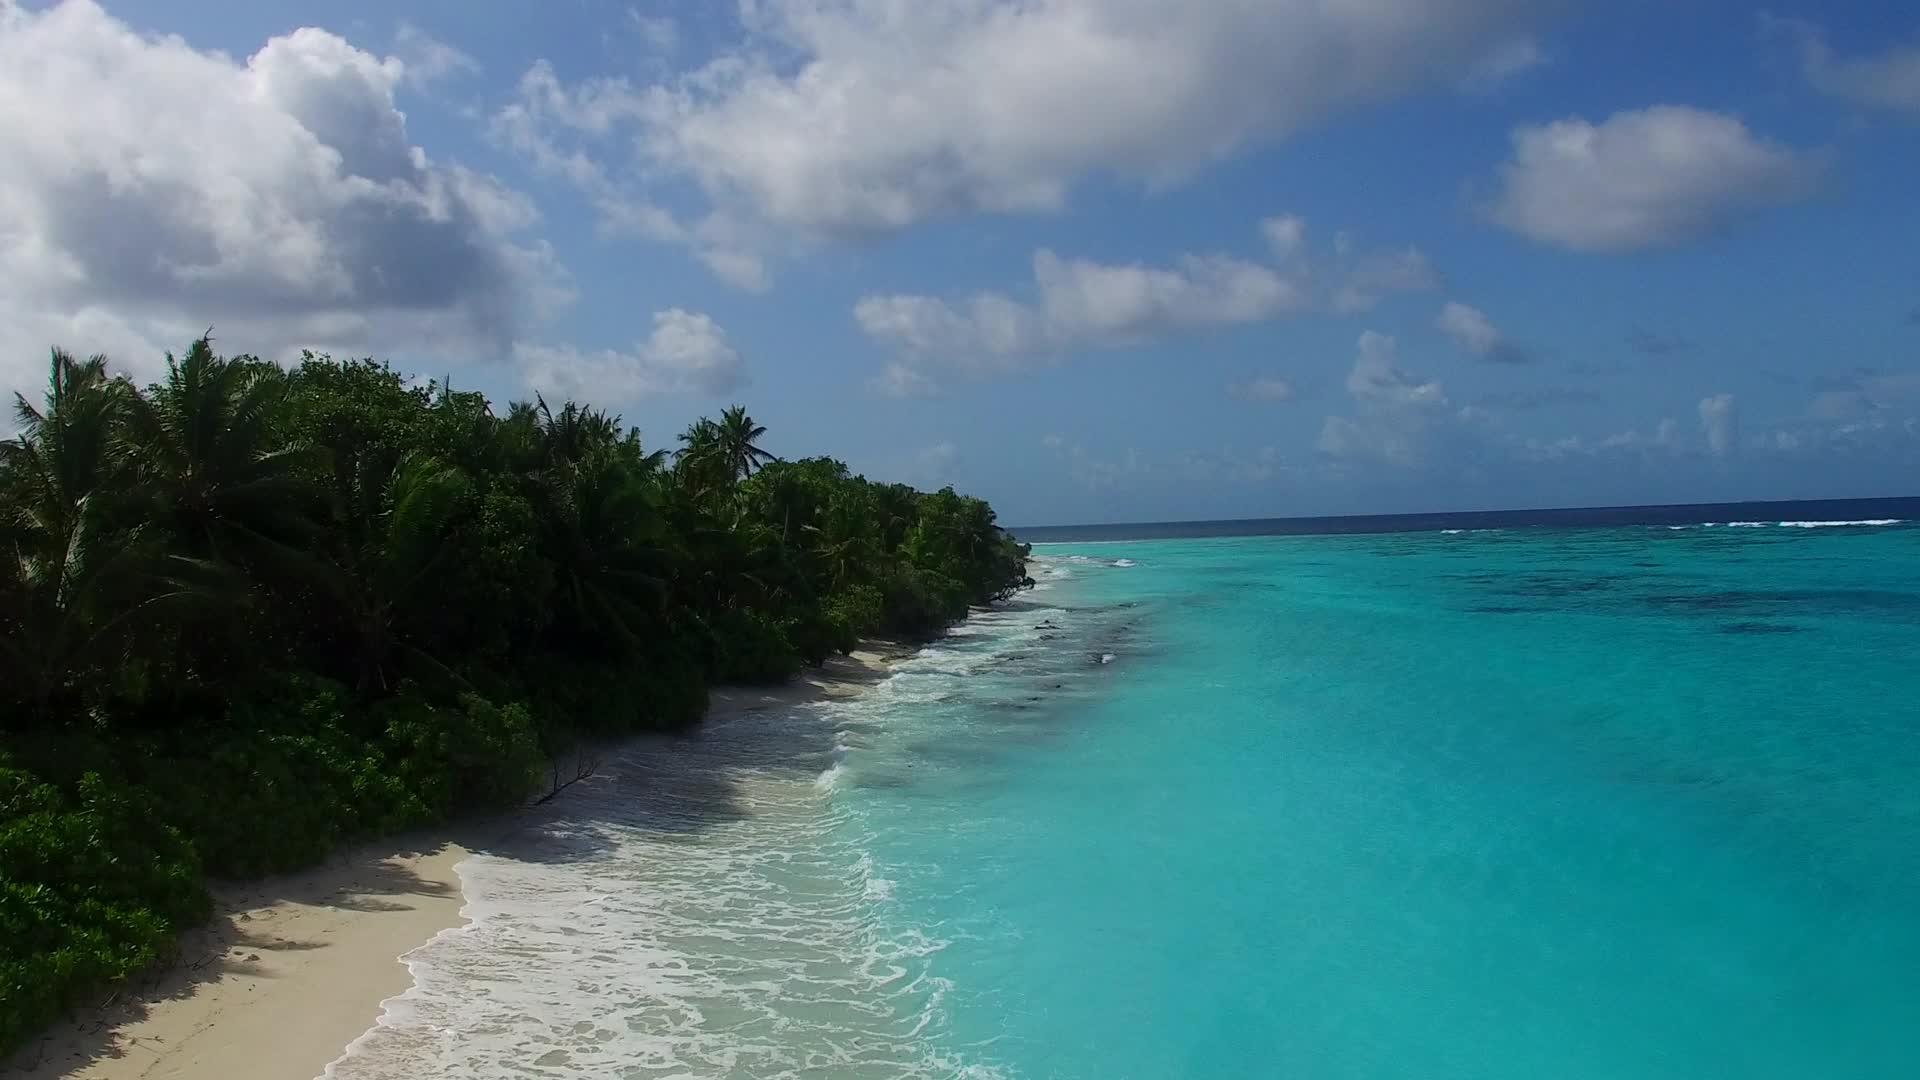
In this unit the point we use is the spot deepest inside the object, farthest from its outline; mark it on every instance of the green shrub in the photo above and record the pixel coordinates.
(664, 690)
(860, 609)
(287, 779)
(816, 634)
(751, 647)
(476, 755)
(921, 603)
(264, 803)
(92, 889)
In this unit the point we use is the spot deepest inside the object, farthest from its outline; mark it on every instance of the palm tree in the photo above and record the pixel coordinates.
(570, 435)
(393, 560)
(212, 467)
(604, 534)
(735, 435)
(698, 462)
(77, 577)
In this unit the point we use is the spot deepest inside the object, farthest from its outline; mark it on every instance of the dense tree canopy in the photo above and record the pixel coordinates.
(248, 612)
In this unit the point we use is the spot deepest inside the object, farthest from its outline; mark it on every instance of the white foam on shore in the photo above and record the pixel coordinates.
(1865, 523)
(707, 906)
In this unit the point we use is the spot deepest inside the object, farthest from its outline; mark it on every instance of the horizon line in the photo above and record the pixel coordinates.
(1015, 529)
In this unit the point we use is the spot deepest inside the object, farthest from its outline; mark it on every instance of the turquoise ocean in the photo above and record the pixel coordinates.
(1632, 801)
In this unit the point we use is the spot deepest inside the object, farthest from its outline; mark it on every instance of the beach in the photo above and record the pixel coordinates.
(291, 969)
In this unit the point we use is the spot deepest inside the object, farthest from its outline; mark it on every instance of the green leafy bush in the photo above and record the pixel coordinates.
(293, 757)
(663, 690)
(92, 888)
(477, 755)
(858, 611)
(751, 647)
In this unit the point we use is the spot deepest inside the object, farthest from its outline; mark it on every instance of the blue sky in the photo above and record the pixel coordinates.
(1093, 260)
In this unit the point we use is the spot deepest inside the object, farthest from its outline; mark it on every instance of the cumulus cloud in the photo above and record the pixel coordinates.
(1471, 328)
(1286, 235)
(659, 32)
(1889, 79)
(687, 352)
(427, 59)
(1866, 393)
(1517, 57)
(1261, 388)
(1078, 302)
(148, 189)
(1088, 300)
(1365, 281)
(898, 380)
(1662, 441)
(1093, 471)
(836, 118)
(1397, 412)
(1643, 178)
(1376, 377)
(1721, 424)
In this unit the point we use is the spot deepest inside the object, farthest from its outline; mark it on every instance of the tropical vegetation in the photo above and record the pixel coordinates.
(249, 613)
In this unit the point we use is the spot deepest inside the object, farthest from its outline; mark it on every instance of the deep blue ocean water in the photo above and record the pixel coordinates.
(1637, 801)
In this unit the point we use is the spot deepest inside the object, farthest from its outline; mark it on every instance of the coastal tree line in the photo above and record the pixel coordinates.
(249, 613)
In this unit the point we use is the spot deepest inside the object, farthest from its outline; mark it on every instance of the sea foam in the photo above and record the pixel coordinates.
(705, 906)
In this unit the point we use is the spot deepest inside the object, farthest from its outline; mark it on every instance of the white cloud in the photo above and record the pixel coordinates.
(901, 381)
(1868, 393)
(1662, 441)
(1470, 327)
(1096, 473)
(1261, 388)
(1642, 178)
(148, 190)
(847, 117)
(1286, 235)
(660, 32)
(738, 268)
(1086, 300)
(1720, 422)
(1503, 64)
(1397, 415)
(1887, 80)
(686, 353)
(1367, 279)
(428, 60)
(1078, 302)
(1376, 377)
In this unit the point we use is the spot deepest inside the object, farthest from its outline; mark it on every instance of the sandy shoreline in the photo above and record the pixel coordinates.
(293, 968)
